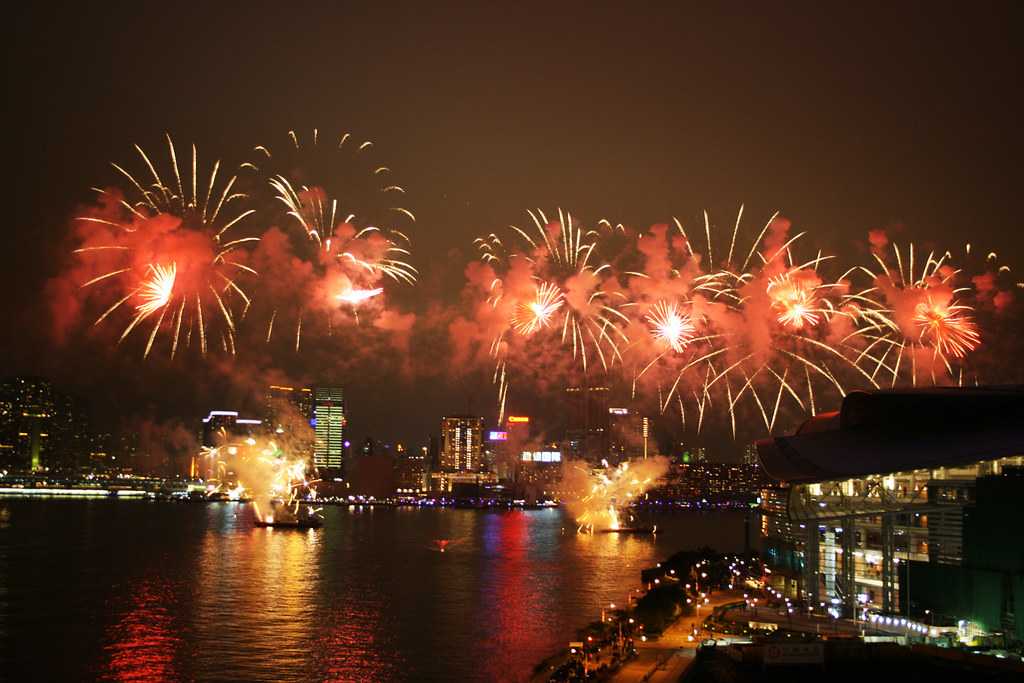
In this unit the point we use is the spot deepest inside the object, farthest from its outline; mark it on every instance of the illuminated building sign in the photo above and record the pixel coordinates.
(497, 436)
(618, 411)
(518, 419)
(542, 456)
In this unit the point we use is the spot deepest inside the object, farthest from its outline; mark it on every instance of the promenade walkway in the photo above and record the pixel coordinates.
(667, 658)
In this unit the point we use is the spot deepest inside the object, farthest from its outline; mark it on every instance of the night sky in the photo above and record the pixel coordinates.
(903, 118)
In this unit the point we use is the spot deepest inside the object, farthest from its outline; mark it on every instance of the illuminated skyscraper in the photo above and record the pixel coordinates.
(27, 410)
(461, 442)
(329, 416)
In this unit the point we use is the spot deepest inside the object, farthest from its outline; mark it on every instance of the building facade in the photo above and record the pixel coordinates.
(329, 425)
(462, 443)
(282, 400)
(42, 428)
(890, 507)
(628, 435)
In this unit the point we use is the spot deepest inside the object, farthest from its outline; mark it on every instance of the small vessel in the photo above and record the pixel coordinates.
(631, 530)
(285, 517)
(304, 523)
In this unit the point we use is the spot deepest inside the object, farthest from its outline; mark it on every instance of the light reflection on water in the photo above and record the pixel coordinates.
(143, 591)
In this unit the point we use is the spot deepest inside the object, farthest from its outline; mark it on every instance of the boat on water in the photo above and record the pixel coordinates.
(650, 530)
(285, 516)
(304, 523)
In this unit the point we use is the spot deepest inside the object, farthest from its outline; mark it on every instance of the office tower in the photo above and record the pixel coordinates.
(628, 433)
(587, 429)
(461, 442)
(284, 403)
(330, 421)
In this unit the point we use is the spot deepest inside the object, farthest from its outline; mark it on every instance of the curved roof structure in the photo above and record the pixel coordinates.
(899, 430)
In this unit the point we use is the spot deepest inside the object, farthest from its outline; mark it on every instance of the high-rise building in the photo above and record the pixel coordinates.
(282, 399)
(412, 470)
(330, 421)
(27, 412)
(461, 443)
(587, 429)
(628, 434)
(750, 454)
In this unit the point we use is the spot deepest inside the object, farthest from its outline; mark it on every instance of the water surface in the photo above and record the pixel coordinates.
(133, 590)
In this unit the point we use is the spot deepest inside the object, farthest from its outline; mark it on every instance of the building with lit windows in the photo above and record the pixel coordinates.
(461, 443)
(329, 424)
(413, 470)
(628, 435)
(40, 427)
(903, 502)
(281, 399)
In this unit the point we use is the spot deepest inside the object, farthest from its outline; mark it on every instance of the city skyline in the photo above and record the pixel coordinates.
(527, 343)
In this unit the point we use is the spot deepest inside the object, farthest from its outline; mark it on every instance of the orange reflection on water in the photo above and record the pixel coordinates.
(143, 644)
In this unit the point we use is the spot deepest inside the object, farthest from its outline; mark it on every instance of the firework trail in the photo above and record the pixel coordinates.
(166, 247)
(547, 287)
(597, 497)
(346, 224)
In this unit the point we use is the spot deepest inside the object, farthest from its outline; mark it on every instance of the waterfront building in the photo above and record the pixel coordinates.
(540, 474)
(329, 423)
(461, 443)
(413, 470)
(462, 484)
(903, 502)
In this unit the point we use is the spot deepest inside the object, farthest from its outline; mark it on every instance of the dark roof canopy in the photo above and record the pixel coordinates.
(899, 430)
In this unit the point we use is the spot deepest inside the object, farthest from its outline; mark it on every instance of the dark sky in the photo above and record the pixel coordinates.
(844, 119)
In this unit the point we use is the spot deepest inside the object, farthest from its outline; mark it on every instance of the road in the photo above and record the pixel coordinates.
(808, 624)
(667, 658)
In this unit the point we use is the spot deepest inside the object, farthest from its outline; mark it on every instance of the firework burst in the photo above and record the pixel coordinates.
(950, 330)
(758, 325)
(546, 281)
(794, 303)
(166, 244)
(917, 319)
(352, 227)
(531, 316)
(670, 326)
